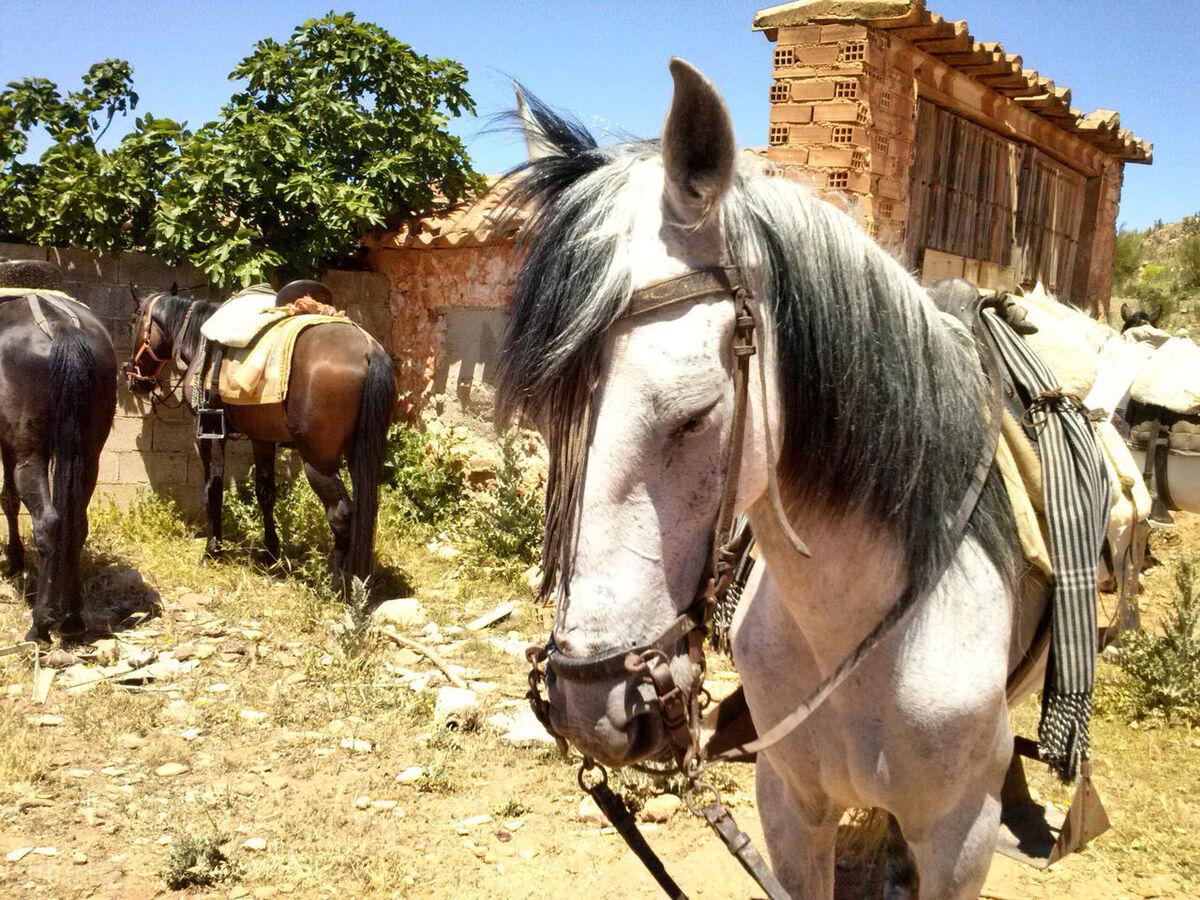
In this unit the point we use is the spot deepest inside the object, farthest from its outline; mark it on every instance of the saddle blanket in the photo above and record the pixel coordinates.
(258, 373)
(1171, 378)
(1129, 500)
(243, 316)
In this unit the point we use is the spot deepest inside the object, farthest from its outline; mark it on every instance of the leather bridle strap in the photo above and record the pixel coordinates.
(908, 598)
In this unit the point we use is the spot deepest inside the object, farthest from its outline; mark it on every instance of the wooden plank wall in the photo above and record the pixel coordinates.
(977, 195)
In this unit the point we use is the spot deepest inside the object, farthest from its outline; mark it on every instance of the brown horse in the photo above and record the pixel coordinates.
(58, 395)
(339, 402)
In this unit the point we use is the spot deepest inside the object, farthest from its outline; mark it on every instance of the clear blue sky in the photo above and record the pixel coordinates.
(606, 61)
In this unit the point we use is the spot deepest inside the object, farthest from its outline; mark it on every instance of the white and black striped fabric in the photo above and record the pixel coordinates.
(1076, 498)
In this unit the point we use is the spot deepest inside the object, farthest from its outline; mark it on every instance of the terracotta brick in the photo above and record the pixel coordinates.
(835, 112)
(804, 176)
(788, 155)
(812, 90)
(860, 182)
(785, 113)
(816, 56)
(831, 34)
(803, 36)
(810, 134)
(827, 157)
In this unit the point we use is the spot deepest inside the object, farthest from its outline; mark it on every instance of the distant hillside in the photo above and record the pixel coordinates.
(1159, 270)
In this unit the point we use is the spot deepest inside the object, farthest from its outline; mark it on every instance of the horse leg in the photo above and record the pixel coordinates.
(800, 836)
(953, 854)
(214, 487)
(264, 490)
(338, 510)
(11, 503)
(33, 487)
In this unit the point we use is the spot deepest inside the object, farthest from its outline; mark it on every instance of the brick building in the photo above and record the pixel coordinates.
(951, 153)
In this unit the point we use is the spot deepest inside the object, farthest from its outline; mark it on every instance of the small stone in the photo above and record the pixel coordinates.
(47, 851)
(252, 715)
(168, 770)
(189, 734)
(661, 808)
(384, 805)
(79, 773)
(44, 721)
(453, 705)
(238, 892)
(255, 844)
(218, 687)
(79, 859)
(590, 812)
(285, 660)
(355, 745)
(252, 634)
(363, 802)
(19, 854)
(131, 741)
(192, 601)
(204, 651)
(266, 891)
(403, 612)
(410, 775)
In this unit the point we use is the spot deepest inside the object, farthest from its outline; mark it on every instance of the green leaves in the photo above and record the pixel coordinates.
(336, 132)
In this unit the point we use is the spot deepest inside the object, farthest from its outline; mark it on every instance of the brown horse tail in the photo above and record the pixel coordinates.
(366, 459)
(73, 383)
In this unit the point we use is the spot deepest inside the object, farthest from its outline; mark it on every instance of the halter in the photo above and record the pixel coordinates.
(134, 365)
(681, 714)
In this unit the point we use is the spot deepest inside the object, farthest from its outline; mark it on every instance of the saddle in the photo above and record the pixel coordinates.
(240, 365)
(1159, 433)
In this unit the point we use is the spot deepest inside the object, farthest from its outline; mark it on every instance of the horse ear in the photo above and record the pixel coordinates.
(699, 151)
(137, 301)
(1126, 313)
(174, 289)
(536, 142)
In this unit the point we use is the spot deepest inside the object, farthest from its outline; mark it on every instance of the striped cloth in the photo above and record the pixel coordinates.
(1076, 497)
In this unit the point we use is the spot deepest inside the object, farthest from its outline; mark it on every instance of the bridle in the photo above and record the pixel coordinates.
(135, 367)
(681, 713)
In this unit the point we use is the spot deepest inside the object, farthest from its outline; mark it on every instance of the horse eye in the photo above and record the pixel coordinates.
(694, 425)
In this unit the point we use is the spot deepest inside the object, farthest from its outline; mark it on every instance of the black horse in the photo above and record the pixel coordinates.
(58, 395)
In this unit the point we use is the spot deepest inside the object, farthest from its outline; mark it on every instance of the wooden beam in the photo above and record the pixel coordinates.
(956, 91)
(959, 42)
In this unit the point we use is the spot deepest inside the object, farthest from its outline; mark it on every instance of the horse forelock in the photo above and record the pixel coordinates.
(882, 413)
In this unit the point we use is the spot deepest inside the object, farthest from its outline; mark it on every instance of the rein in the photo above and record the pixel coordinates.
(143, 349)
(682, 714)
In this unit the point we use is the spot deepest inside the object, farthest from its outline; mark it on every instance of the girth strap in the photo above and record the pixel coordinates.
(35, 309)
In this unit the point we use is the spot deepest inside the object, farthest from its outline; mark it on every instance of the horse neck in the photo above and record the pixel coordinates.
(855, 574)
(201, 312)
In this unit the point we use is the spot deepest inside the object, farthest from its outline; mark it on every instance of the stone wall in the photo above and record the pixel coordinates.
(426, 287)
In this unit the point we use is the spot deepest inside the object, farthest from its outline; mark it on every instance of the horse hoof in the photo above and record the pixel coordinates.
(39, 636)
(72, 628)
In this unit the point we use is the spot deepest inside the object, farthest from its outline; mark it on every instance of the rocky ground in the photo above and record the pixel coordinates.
(238, 731)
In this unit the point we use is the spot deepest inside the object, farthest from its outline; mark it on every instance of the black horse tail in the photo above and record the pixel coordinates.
(73, 386)
(366, 459)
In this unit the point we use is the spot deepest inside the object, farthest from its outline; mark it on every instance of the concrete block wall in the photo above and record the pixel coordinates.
(148, 449)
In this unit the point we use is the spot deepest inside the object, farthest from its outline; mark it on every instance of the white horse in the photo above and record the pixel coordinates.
(876, 412)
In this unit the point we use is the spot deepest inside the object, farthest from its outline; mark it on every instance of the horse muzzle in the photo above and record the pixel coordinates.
(618, 708)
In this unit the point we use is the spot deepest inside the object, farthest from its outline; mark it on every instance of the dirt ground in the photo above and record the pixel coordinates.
(254, 720)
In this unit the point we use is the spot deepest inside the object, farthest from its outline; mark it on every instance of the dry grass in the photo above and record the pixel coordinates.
(287, 779)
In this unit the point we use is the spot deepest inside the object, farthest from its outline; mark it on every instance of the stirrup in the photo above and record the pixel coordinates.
(210, 424)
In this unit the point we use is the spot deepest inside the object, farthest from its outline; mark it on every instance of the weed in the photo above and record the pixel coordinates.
(511, 809)
(505, 523)
(1162, 671)
(426, 475)
(197, 862)
(1128, 255)
(1188, 254)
